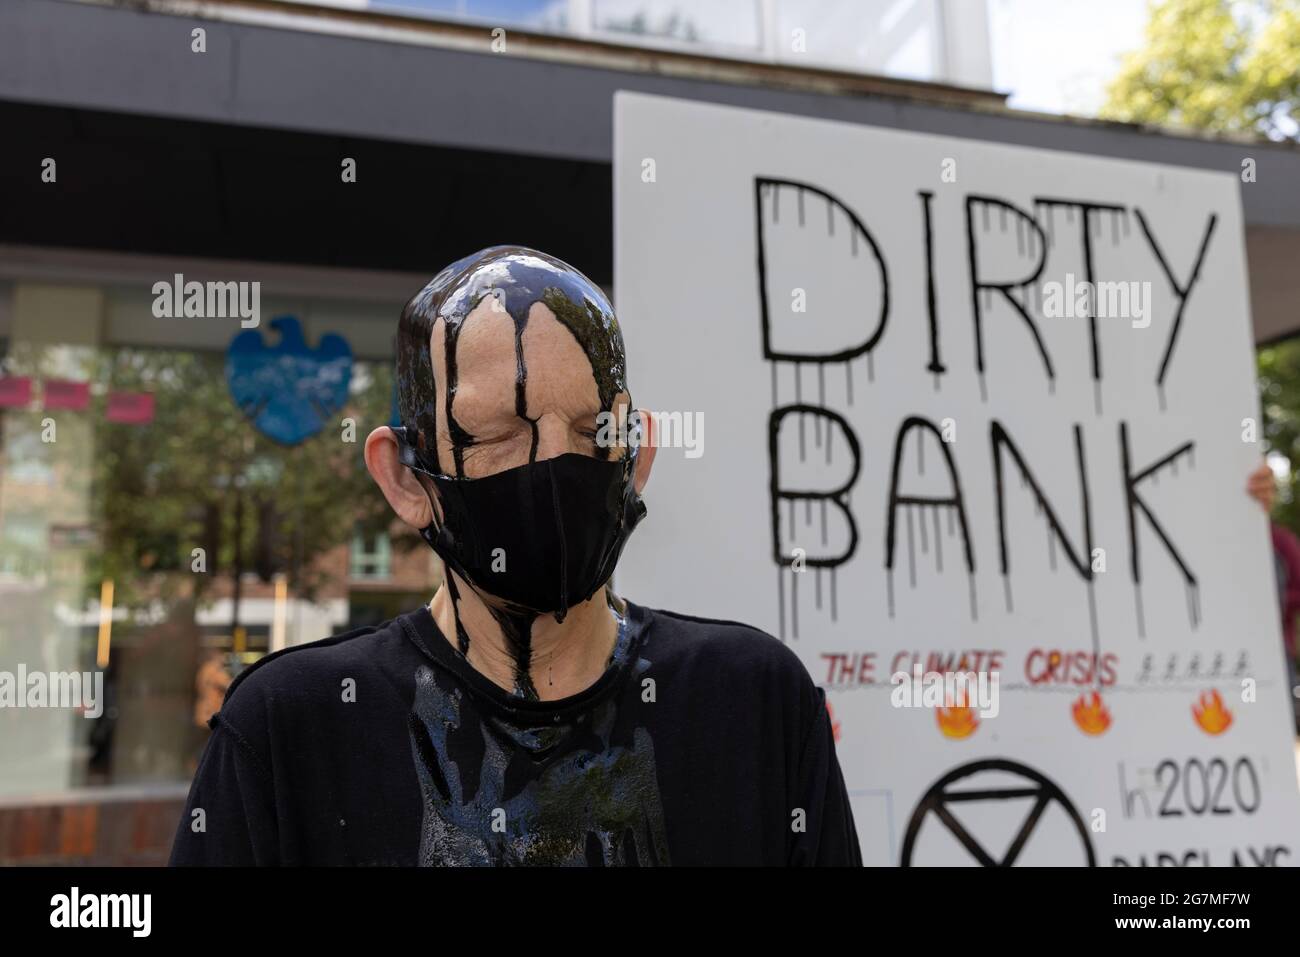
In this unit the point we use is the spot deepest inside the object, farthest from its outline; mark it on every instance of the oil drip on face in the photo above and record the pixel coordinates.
(502, 793)
(464, 349)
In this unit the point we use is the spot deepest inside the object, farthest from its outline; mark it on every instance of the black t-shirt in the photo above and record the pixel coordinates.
(703, 742)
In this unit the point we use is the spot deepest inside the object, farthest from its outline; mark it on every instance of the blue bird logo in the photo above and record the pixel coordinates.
(288, 390)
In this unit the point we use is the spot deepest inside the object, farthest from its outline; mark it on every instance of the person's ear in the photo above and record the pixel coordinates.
(398, 483)
(645, 456)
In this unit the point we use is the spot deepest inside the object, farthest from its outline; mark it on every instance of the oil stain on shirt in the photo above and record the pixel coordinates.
(504, 788)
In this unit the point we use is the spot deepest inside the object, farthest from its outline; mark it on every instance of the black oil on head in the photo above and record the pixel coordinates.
(518, 278)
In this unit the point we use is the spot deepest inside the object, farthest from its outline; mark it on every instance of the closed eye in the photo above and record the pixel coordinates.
(493, 447)
(589, 427)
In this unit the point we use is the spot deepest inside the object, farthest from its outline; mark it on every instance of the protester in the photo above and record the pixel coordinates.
(527, 714)
(1286, 561)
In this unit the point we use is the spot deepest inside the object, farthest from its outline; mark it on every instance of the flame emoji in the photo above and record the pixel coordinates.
(835, 725)
(1211, 714)
(1091, 715)
(957, 720)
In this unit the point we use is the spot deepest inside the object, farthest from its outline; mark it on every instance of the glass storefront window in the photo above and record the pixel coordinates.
(157, 536)
(542, 15)
(372, 554)
(902, 38)
(886, 37)
(725, 23)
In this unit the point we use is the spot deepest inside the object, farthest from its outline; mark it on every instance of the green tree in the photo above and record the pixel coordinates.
(1216, 65)
(201, 476)
(1279, 393)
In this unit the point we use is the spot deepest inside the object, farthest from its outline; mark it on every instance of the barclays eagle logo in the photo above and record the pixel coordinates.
(289, 390)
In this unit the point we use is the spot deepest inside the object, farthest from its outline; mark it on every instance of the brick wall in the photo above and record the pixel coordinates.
(126, 829)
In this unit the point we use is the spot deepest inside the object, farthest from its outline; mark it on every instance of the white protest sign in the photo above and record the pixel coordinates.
(968, 408)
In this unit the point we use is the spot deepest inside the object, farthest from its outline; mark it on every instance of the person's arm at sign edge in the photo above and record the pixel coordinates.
(829, 837)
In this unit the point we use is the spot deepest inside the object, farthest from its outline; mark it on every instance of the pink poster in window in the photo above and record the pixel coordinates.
(130, 408)
(15, 391)
(66, 394)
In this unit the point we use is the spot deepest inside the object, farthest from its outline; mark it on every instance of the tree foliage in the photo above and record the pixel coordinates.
(1214, 65)
(201, 476)
(1279, 393)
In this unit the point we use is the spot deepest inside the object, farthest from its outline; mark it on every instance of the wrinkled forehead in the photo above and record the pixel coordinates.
(519, 278)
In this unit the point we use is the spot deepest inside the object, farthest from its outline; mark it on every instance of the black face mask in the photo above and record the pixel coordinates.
(544, 536)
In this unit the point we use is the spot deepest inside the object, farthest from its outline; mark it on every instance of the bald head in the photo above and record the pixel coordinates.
(506, 357)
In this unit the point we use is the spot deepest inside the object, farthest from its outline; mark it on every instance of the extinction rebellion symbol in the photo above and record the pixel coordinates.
(993, 808)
